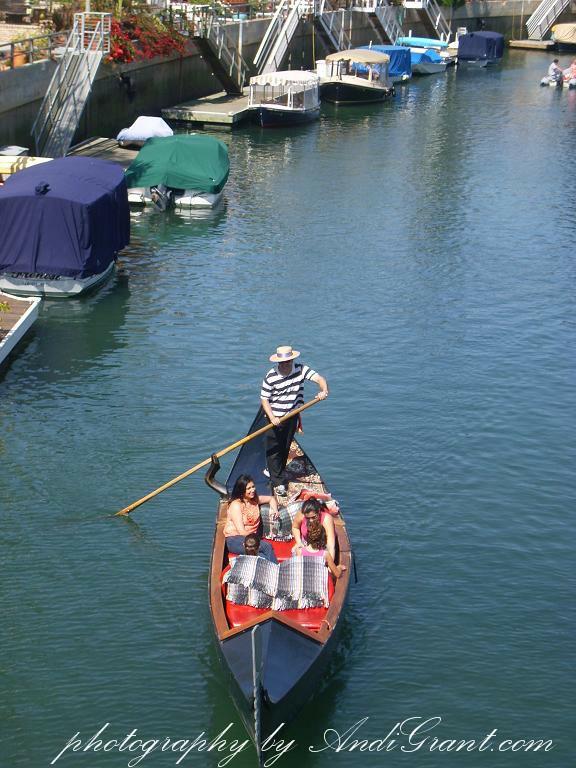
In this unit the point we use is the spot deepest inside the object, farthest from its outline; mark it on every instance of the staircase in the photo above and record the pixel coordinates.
(386, 17)
(278, 36)
(330, 22)
(68, 92)
(432, 16)
(222, 55)
(544, 17)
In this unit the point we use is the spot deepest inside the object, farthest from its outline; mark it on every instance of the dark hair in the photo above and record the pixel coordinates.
(316, 535)
(251, 541)
(240, 486)
(312, 505)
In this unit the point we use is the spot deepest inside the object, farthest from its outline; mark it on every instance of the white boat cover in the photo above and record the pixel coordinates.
(360, 56)
(564, 33)
(145, 128)
(285, 78)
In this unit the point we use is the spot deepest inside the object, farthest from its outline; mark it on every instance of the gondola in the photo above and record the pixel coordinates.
(274, 659)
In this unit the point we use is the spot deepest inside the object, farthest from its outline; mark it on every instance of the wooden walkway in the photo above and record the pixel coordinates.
(16, 317)
(104, 149)
(220, 109)
(533, 45)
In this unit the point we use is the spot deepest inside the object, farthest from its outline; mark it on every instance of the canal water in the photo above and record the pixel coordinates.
(420, 254)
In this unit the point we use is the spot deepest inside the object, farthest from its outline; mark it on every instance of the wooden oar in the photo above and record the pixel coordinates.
(223, 452)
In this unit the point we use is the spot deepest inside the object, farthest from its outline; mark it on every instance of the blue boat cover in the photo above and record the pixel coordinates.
(399, 59)
(480, 45)
(67, 217)
(425, 56)
(421, 42)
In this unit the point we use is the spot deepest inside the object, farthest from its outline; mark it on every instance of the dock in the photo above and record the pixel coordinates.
(104, 149)
(218, 110)
(533, 45)
(16, 317)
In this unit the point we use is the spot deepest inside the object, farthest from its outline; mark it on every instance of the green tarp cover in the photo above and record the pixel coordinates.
(181, 162)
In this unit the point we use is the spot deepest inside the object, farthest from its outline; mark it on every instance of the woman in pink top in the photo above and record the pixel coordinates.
(313, 509)
(316, 547)
(243, 517)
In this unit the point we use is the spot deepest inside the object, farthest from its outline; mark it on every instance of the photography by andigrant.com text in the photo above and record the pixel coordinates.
(410, 735)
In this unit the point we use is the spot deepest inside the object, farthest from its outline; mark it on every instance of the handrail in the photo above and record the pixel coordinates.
(33, 50)
(274, 60)
(544, 17)
(70, 84)
(331, 20)
(271, 33)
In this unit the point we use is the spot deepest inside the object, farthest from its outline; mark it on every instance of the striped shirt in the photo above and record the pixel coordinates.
(285, 392)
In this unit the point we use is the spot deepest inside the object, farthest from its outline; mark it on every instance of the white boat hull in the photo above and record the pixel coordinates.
(18, 331)
(190, 199)
(63, 287)
(429, 68)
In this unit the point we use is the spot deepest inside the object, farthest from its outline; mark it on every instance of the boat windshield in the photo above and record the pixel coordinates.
(303, 95)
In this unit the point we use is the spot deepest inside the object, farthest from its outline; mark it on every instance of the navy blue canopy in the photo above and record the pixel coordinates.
(399, 59)
(67, 217)
(481, 45)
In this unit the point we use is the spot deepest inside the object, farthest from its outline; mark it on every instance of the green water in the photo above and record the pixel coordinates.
(420, 254)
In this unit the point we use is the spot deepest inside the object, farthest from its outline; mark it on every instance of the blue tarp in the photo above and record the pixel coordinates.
(75, 229)
(480, 45)
(421, 42)
(399, 59)
(425, 56)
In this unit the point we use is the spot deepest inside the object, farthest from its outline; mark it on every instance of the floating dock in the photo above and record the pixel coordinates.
(218, 110)
(16, 317)
(104, 149)
(533, 45)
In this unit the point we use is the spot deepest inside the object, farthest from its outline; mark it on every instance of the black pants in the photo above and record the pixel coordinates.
(278, 441)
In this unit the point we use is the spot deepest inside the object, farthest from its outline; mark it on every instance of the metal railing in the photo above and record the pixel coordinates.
(279, 47)
(544, 17)
(272, 32)
(213, 30)
(62, 107)
(387, 15)
(38, 48)
(333, 23)
(435, 15)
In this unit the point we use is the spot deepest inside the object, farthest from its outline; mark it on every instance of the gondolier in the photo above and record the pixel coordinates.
(282, 391)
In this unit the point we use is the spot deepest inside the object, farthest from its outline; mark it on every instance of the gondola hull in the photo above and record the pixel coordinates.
(293, 668)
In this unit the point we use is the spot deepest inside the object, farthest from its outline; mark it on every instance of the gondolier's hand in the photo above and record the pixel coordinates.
(322, 395)
(274, 420)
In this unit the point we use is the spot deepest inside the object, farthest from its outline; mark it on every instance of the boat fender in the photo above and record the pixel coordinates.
(393, 91)
(161, 197)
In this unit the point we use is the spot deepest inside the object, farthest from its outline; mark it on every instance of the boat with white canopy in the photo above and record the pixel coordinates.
(357, 76)
(284, 98)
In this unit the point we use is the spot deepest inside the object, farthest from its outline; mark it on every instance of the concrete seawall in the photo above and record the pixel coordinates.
(122, 92)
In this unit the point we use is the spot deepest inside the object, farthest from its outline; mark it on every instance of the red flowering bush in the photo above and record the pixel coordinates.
(143, 37)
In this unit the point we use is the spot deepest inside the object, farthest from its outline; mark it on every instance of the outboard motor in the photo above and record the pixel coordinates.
(162, 197)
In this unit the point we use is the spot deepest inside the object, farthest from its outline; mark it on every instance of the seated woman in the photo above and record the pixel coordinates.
(316, 547)
(243, 517)
(313, 509)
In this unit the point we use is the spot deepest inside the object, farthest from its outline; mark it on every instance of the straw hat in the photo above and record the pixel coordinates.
(283, 354)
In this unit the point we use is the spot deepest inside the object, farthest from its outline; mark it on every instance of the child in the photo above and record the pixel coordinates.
(252, 545)
(316, 547)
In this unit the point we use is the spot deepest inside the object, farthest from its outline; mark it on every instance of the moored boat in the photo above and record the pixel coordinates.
(284, 98)
(564, 35)
(64, 223)
(480, 49)
(295, 645)
(421, 45)
(427, 62)
(184, 171)
(142, 129)
(355, 76)
(400, 64)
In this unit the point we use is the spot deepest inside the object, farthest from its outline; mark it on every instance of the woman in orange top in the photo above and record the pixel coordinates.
(243, 517)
